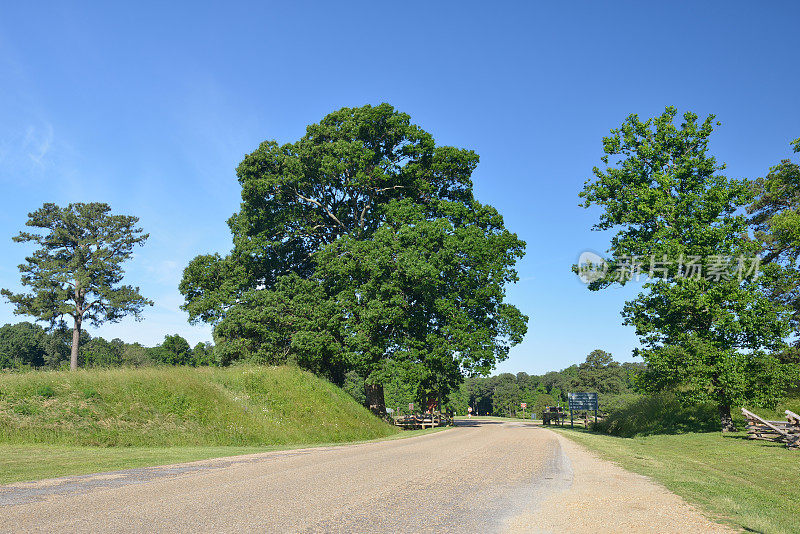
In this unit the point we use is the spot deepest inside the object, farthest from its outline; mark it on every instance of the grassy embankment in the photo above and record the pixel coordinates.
(58, 423)
(749, 484)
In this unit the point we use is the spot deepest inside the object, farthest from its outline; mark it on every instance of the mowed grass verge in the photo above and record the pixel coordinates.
(58, 423)
(22, 463)
(748, 484)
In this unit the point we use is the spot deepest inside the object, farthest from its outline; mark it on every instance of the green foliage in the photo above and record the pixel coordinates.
(292, 323)
(662, 192)
(542, 401)
(354, 386)
(298, 197)
(174, 350)
(664, 196)
(101, 353)
(775, 212)
(601, 374)
(77, 268)
(135, 355)
(775, 218)
(26, 345)
(22, 344)
(660, 413)
(502, 394)
(175, 406)
(360, 247)
(506, 397)
(425, 292)
(203, 354)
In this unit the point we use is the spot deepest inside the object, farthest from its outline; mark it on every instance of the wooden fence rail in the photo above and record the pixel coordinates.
(422, 421)
(783, 431)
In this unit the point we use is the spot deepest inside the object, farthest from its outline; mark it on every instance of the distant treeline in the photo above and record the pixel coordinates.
(502, 395)
(28, 345)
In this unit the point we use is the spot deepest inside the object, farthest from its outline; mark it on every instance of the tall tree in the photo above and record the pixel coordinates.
(600, 373)
(175, 350)
(367, 238)
(706, 326)
(102, 353)
(76, 270)
(775, 218)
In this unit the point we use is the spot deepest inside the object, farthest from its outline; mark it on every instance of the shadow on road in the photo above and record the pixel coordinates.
(476, 422)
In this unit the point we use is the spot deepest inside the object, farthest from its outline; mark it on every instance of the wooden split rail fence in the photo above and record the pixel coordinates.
(782, 431)
(422, 421)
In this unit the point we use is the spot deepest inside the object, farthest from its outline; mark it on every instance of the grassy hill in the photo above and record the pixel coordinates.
(180, 406)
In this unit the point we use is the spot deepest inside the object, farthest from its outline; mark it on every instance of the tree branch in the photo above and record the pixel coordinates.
(318, 203)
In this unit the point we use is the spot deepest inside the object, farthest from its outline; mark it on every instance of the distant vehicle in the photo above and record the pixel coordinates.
(553, 414)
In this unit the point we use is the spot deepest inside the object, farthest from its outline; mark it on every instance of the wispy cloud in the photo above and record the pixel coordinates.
(31, 152)
(37, 142)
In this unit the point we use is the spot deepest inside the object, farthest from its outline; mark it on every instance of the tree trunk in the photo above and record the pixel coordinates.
(725, 418)
(375, 400)
(76, 339)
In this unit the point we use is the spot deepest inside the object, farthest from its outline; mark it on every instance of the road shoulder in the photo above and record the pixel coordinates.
(604, 497)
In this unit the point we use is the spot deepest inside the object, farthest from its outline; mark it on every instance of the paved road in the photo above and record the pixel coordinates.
(479, 477)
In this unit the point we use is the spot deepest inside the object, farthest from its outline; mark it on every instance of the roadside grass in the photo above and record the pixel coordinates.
(56, 423)
(180, 406)
(30, 462)
(749, 484)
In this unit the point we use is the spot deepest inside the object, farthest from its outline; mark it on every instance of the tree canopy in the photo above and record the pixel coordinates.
(503, 394)
(775, 218)
(334, 181)
(361, 247)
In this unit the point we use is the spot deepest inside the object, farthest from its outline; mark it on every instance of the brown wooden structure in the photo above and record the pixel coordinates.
(422, 420)
(782, 431)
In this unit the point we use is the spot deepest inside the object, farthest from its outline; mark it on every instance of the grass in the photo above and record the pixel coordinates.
(22, 463)
(749, 484)
(169, 406)
(664, 413)
(62, 423)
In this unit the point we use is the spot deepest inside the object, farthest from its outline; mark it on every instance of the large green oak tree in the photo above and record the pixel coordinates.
(360, 247)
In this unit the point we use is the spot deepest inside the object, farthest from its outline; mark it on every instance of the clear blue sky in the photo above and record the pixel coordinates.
(150, 106)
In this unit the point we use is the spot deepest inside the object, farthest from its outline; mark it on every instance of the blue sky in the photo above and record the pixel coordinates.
(151, 107)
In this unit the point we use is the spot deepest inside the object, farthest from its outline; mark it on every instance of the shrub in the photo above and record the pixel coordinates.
(660, 413)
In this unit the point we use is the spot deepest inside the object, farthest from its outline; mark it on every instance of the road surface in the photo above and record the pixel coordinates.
(482, 476)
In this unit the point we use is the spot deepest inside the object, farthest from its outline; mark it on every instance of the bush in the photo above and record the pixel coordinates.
(661, 413)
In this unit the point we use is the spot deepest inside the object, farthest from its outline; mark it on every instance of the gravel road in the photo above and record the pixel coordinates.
(483, 476)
